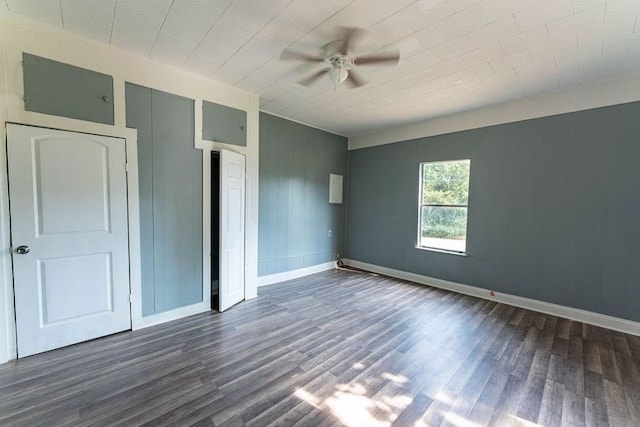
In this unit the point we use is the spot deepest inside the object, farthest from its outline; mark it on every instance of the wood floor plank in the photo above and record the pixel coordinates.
(573, 409)
(337, 348)
(488, 399)
(550, 411)
(615, 399)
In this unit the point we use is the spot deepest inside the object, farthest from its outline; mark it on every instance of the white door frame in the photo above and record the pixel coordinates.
(19, 116)
(250, 152)
(207, 148)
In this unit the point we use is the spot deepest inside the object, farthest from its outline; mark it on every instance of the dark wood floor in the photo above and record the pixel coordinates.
(338, 348)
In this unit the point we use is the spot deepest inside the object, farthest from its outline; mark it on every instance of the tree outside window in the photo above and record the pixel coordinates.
(444, 196)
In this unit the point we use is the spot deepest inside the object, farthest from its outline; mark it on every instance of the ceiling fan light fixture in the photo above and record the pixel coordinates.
(338, 61)
(338, 75)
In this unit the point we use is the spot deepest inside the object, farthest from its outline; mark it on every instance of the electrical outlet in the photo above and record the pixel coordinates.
(330, 233)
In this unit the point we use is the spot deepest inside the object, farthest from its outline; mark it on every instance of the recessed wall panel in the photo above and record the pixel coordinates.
(224, 124)
(59, 89)
(74, 286)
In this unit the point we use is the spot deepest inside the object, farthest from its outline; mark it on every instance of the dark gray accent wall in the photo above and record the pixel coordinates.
(224, 124)
(60, 89)
(170, 184)
(554, 208)
(295, 214)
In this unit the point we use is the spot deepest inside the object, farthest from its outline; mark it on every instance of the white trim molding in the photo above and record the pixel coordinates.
(597, 319)
(295, 274)
(175, 314)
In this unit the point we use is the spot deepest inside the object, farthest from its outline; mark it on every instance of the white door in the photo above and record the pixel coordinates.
(69, 236)
(232, 181)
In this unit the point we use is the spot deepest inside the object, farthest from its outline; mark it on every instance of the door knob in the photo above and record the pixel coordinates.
(22, 250)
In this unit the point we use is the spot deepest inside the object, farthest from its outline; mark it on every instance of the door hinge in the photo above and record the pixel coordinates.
(131, 298)
(126, 167)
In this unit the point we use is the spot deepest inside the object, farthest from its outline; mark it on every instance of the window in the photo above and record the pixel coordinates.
(444, 195)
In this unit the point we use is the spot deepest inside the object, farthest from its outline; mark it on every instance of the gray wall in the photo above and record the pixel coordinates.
(170, 184)
(554, 208)
(295, 214)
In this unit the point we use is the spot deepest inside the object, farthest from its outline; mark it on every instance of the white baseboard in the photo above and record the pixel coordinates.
(11, 354)
(597, 319)
(170, 315)
(294, 274)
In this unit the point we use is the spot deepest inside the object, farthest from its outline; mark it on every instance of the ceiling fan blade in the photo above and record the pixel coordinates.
(349, 36)
(391, 58)
(312, 78)
(354, 79)
(292, 54)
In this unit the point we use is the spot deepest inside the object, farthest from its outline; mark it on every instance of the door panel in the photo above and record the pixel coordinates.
(89, 196)
(86, 277)
(68, 201)
(232, 207)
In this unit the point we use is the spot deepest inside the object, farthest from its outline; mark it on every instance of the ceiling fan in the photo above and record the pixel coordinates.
(338, 61)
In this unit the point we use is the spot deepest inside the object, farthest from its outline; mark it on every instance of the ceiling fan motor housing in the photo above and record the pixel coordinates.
(339, 60)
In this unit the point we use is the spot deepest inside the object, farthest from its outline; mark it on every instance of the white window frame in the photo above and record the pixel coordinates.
(421, 205)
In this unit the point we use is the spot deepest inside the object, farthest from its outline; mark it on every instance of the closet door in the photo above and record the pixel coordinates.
(69, 228)
(232, 207)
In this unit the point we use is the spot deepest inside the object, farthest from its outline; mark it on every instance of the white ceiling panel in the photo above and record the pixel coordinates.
(136, 24)
(495, 31)
(485, 54)
(90, 18)
(453, 48)
(462, 22)
(47, 11)
(186, 24)
(526, 39)
(307, 17)
(409, 19)
(543, 13)
(498, 9)
(455, 54)
(520, 59)
(243, 20)
(284, 30)
(265, 8)
(477, 72)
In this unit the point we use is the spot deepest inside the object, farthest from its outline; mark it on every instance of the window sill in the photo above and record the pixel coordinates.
(443, 251)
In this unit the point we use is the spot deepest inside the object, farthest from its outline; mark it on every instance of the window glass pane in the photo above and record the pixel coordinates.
(444, 228)
(445, 183)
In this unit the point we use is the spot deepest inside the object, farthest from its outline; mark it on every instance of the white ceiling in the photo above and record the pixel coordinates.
(456, 55)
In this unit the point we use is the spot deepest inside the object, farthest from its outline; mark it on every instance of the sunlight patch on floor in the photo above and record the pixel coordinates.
(459, 421)
(445, 398)
(521, 422)
(398, 402)
(305, 396)
(354, 410)
(351, 406)
(398, 379)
